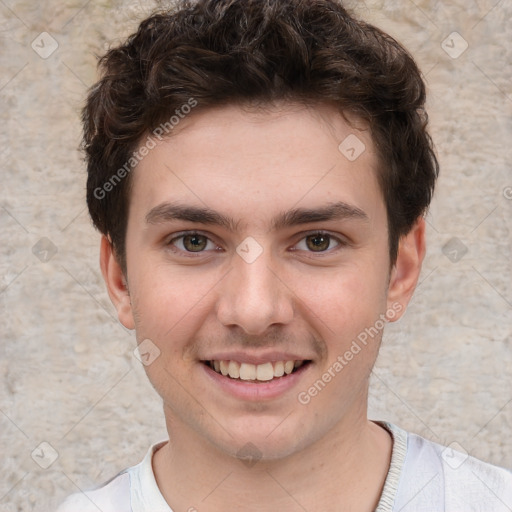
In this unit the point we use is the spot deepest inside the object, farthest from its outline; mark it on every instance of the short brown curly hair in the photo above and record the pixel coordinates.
(217, 52)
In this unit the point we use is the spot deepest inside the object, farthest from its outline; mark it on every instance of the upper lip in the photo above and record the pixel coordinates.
(260, 358)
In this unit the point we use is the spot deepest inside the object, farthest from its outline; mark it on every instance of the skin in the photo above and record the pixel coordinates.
(252, 165)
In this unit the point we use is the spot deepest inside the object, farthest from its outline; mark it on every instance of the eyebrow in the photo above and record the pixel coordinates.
(168, 212)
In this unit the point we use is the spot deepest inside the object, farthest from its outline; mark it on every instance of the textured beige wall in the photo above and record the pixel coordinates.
(67, 373)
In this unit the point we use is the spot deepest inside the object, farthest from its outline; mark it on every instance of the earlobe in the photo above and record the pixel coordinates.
(116, 284)
(406, 271)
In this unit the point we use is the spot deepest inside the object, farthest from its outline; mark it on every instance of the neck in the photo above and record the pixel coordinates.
(346, 469)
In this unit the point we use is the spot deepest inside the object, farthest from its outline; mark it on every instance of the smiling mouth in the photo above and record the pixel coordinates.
(255, 372)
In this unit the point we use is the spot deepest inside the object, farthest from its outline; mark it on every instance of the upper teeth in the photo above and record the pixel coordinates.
(247, 371)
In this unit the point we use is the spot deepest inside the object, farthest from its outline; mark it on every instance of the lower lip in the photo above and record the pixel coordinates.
(254, 390)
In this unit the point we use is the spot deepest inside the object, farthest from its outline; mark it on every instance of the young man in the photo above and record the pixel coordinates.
(259, 170)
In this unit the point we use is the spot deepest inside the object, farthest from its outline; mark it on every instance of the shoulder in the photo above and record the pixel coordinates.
(474, 483)
(133, 488)
(433, 473)
(113, 496)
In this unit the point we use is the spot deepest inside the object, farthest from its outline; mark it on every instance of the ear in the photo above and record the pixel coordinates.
(116, 283)
(406, 271)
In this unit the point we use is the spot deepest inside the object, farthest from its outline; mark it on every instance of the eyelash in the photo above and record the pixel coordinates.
(191, 254)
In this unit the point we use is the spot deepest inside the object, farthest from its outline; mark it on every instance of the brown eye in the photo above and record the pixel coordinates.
(188, 244)
(318, 242)
(195, 243)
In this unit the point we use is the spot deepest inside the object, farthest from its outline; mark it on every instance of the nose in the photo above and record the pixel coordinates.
(255, 296)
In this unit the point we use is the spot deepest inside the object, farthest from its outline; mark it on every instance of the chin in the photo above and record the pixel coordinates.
(264, 440)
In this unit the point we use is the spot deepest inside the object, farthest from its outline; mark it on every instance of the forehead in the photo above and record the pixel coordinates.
(257, 161)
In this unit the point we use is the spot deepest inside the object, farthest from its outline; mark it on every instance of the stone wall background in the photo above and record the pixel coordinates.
(68, 377)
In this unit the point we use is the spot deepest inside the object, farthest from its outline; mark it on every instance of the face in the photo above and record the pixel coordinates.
(253, 240)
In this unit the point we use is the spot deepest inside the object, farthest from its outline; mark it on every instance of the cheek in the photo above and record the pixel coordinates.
(169, 304)
(344, 302)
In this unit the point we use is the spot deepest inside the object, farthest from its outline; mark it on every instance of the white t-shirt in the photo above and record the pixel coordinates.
(423, 477)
